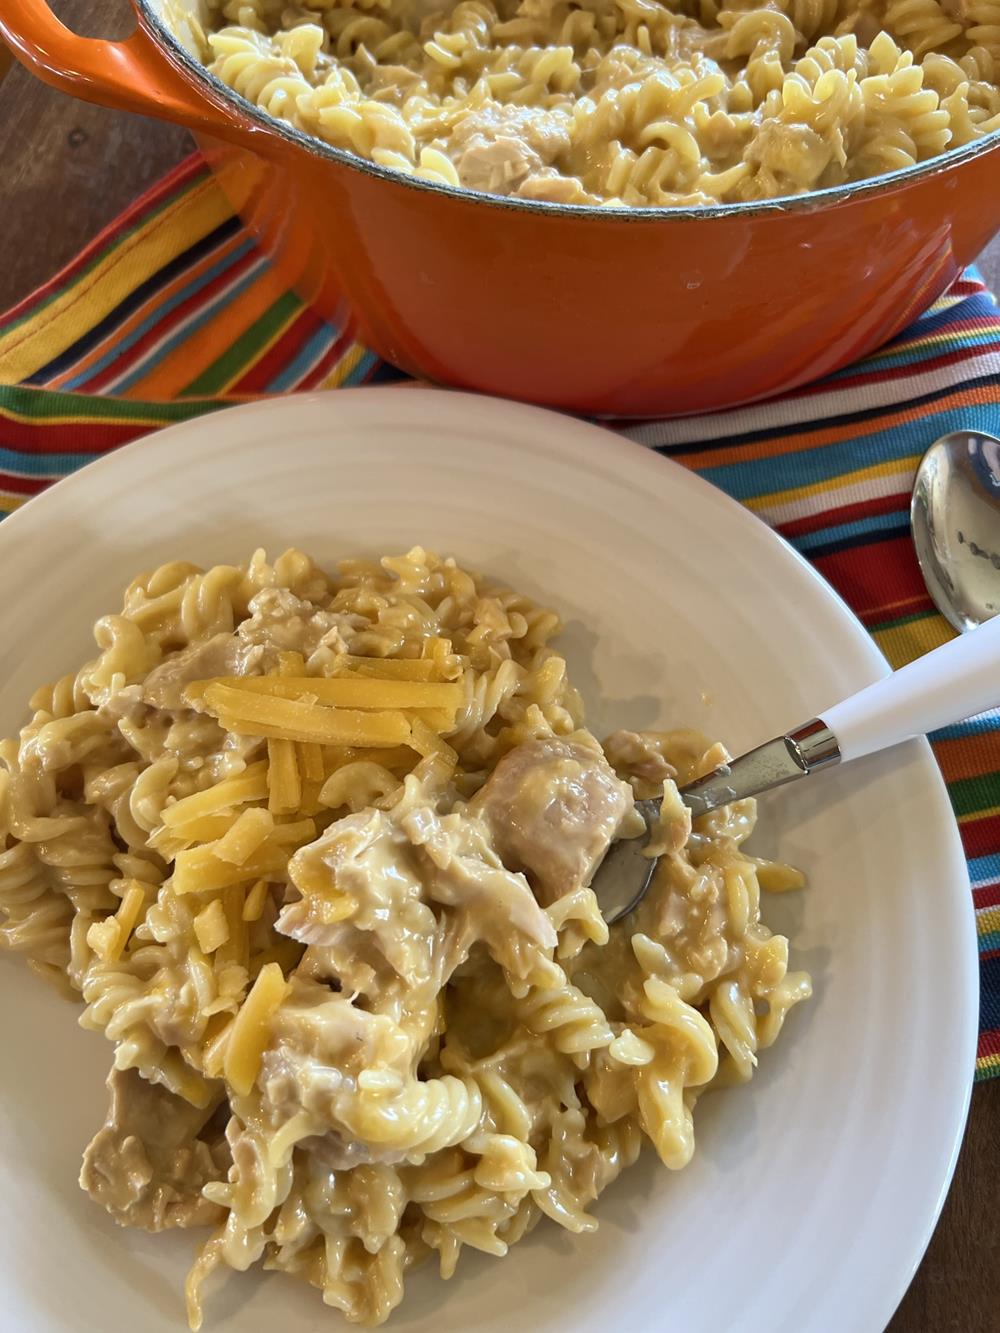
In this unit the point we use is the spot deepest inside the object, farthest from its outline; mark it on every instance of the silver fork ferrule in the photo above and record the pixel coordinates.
(815, 745)
(794, 755)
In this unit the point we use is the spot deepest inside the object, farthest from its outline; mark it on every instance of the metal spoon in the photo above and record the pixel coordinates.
(955, 515)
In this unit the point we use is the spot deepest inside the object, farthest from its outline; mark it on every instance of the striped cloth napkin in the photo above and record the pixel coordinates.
(172, 312)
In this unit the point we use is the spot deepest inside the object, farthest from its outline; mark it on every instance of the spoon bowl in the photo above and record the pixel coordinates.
(955, 517)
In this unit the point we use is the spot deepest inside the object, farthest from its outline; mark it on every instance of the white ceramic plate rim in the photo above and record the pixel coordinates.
(562, 437)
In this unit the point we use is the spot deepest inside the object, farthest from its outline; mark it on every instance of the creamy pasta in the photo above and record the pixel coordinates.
(314, 855)
(626, 102)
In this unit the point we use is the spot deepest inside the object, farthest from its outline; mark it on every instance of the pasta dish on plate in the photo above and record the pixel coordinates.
(313, 852)
(626, 102)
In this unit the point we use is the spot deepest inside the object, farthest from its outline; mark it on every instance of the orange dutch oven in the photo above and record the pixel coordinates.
(608, 311)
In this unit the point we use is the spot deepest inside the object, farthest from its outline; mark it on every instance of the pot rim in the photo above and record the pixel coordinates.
(814, 200)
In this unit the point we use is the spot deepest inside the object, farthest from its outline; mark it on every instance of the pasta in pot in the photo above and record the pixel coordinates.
(626, 102)
(314, 853)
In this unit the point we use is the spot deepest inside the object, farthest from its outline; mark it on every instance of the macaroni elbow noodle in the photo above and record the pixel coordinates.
(626, 102)
(313, 853)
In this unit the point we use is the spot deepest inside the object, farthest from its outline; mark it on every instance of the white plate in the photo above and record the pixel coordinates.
(814, 1190)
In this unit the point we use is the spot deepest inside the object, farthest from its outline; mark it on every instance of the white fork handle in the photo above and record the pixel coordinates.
(955, 681)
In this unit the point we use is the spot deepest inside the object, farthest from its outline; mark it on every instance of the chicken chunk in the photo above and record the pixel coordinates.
(639, 754)
(553, 808)
(149, 1163)
(495, 148)
(281, 621)
(221, 655)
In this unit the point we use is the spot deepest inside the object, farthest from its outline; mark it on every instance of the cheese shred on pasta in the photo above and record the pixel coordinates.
(313, 853)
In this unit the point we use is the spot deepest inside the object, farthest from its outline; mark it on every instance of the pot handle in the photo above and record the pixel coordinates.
(129, 75)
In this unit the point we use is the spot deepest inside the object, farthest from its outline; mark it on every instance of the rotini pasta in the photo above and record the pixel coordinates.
(626, 102)
(314, 854)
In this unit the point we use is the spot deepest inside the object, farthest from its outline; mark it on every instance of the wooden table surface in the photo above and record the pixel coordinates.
(67, 169)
